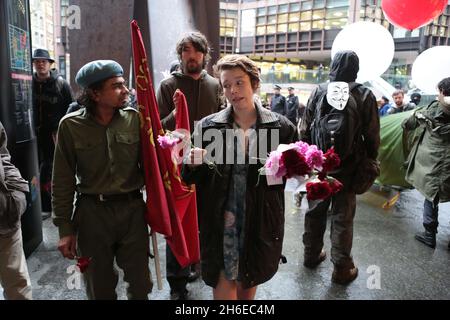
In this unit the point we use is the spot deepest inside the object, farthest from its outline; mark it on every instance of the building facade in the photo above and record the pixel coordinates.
(42, 13)
(291, 40)
(48, 31)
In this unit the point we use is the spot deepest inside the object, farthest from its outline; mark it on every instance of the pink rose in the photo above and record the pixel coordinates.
(274, 165)
(167, 141)
(314, 157)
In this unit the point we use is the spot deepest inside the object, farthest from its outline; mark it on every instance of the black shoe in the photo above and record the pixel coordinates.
(46, 215)
(312, 263)
(193, 275)
(344, 275)
(448, 247)
(179, 295)
(428, 238)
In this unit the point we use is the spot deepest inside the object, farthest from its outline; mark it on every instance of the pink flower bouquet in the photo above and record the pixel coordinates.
(306, 163)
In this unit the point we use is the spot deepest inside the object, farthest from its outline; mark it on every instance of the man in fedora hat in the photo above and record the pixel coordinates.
(51, 98)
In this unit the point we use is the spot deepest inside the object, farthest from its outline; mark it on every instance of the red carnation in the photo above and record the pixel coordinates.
(318, 190)
(332, 160)
(83, 263)
(295, 163)
(336, 186)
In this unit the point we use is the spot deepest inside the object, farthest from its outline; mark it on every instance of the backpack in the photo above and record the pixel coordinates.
(340, 129)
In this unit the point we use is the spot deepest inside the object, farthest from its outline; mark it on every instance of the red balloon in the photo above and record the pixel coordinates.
(412, 14)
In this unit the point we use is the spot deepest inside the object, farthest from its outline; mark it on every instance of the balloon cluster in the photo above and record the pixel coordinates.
(375, 47)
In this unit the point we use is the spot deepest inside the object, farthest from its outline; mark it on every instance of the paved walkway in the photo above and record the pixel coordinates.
(384, 245)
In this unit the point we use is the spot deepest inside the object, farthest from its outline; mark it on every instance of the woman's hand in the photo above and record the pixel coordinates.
(196, 157)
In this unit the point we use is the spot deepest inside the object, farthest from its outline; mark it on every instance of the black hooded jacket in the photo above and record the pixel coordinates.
(51, 99)
(345, 67)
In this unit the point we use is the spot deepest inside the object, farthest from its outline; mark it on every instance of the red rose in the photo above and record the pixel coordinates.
(332, 160)
(83, 263)
(336, 186)
(295, 163)
(322, 175)
(318, 190)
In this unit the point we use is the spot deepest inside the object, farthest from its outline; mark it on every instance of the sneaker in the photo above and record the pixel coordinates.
(344, 275)
(312, 263)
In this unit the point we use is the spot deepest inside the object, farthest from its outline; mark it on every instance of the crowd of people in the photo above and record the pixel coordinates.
(289, 106)
(398, 96)
(91, 166)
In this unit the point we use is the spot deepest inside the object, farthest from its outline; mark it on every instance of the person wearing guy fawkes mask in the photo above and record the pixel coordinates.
(352, 172)
(203, 96)
(428, 161)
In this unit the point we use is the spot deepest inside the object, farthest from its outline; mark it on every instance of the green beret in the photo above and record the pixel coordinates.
(96, 71)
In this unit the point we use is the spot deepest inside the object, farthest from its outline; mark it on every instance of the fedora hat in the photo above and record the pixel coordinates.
(42, 54)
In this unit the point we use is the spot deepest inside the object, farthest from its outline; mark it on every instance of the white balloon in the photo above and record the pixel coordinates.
(430, 67)
(372, 43)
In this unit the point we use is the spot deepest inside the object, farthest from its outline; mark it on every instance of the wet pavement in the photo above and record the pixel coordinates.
(392, 265)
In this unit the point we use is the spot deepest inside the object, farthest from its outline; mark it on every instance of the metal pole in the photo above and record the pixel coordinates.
(157, 266)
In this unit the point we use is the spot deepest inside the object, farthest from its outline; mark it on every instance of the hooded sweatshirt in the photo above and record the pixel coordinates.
(345, 67)
(51, 98)
(202, 96)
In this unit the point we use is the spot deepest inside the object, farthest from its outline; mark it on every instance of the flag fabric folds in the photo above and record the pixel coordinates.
(171, 204)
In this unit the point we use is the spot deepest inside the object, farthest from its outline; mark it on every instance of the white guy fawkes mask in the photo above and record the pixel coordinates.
(338, 94)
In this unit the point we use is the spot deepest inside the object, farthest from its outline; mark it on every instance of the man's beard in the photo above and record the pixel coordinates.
(192, 68)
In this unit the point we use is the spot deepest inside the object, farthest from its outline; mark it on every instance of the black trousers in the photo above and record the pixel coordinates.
(176, 276)
(343, 206)
(46, 150)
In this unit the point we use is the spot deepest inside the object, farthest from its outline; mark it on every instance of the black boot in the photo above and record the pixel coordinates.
(428, 238)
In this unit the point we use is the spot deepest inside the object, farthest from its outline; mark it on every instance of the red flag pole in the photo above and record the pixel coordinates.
(160, 225)
(171, 205)
(157, 264)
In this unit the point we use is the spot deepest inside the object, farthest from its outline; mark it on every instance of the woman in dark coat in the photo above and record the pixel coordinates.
(241, 217)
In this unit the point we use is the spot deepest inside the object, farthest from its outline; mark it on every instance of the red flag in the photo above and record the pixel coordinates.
(171, 205)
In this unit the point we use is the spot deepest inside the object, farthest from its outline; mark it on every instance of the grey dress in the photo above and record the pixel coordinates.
(234, 216)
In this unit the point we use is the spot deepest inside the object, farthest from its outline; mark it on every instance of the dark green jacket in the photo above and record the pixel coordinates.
(264, 216)
(94, 159)
(429, 160)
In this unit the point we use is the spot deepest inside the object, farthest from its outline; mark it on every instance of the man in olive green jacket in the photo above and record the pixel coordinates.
(97, 157)
(429, 160)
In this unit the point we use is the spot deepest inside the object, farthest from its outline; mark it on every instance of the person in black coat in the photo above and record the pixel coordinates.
(278, 102)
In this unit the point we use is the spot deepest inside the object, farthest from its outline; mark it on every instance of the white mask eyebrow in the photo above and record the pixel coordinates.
(338, 94)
